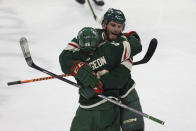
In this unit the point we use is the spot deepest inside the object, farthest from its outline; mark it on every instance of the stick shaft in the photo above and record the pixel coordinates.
(133, 110)
(95, 17)
(34, 80)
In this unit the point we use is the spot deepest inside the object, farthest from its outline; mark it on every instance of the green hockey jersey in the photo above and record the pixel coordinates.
(112, 59)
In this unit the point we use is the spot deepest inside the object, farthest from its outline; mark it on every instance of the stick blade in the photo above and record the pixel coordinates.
(25, 50)
(150, 51)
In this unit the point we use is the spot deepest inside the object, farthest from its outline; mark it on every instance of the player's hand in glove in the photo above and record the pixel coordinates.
(133, 34)
(84, 74)
(88, 92)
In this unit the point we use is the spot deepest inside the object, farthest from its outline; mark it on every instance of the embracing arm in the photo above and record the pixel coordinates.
(122, 63)
(66, 61)
(116, 78)
(71, 63)
(135, 42)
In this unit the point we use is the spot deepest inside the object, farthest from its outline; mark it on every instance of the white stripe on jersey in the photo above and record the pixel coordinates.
(98, 103)
(72, 46)
(126, 51)
(127, 64)
(126, 94)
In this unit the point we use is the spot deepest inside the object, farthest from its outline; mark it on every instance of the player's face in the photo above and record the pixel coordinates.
(113, 30)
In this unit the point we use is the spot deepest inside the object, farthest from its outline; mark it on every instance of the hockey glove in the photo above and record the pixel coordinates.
(135, 42)
(88, 92)
(132, 33)
(84, 74)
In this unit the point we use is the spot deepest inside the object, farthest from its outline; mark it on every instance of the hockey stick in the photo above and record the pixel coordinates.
(34, 80)
(29, 60)
(151, 49)
(95, 17)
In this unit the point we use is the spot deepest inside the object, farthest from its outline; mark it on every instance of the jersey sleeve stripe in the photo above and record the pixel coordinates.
(74, 45)
(127, 64)
(125, 54)
(130, 61)
(126, 51)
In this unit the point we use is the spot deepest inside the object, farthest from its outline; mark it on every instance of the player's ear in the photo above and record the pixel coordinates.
(103, 26)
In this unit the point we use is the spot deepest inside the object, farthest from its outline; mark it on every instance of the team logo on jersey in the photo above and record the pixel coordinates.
(99, 62)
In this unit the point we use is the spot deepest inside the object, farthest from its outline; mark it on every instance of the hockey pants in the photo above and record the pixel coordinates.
(96, 120)
(131, 121)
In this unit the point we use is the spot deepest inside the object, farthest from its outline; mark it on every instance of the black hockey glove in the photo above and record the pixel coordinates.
(88, 92)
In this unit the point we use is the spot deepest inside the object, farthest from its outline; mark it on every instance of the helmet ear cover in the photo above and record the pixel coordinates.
(88, 39)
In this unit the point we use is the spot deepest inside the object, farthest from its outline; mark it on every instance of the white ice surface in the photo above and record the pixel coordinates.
(166, 85)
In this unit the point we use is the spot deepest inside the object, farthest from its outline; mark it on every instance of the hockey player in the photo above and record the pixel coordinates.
(115, 19)
(97, 2)
(112, 22)
(87, 62)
